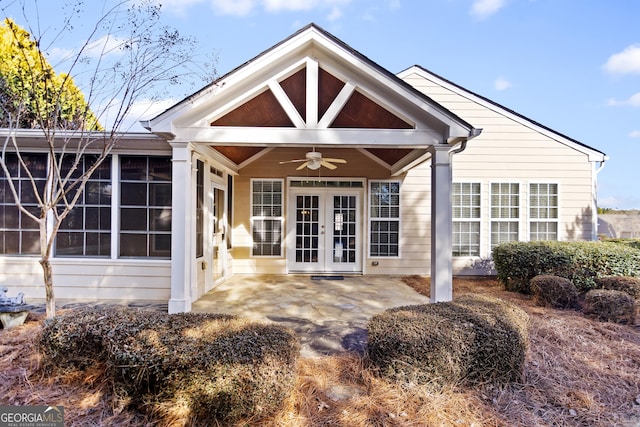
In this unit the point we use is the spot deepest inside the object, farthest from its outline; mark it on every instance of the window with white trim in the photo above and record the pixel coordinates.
(266, 216)
(505, 212)
(543, 211)
(384, 218)
(465, 198)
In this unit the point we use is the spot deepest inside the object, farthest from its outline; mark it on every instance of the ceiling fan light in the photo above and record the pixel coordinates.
(313, 164)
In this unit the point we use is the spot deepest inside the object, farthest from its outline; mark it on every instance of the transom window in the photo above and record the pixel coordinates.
(384, 218)
(266, 217)
(466, 218)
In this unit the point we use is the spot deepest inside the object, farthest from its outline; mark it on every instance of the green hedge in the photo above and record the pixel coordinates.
(581, 262)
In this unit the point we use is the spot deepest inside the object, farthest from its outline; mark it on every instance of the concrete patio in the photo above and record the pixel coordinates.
(329, 315)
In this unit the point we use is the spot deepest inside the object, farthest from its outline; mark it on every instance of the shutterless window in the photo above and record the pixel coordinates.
(543, 211)
(19, 234)
(86, 230)
(266, 217)
(145, 206)
(384, 218)
(466, 218)
(505, 212)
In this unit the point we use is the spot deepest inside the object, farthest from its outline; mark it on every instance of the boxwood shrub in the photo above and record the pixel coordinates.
(215, 368)
(581, 262)
(471, 340)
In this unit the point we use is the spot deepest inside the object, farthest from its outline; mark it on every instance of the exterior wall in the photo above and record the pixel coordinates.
(509, 151)
(358, 166)
(89, 279)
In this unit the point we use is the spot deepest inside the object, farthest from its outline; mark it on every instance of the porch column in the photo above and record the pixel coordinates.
(181, 219)
(441, 224)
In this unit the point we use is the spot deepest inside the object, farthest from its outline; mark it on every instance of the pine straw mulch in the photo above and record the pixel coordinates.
(579, 372)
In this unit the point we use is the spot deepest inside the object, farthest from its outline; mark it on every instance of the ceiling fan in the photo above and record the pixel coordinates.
(313, 160)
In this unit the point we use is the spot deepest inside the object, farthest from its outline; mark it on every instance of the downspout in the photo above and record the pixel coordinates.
(594, 184)
(463, 144)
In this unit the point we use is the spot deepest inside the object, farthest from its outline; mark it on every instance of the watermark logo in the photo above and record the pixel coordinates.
(31, 416)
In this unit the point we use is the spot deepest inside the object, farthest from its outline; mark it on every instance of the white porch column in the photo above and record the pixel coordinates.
(441, 224)
(181, 219)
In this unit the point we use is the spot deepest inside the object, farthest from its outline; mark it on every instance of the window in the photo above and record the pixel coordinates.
(199, 208)
(266, 217)
(145, 206)
(466, 218)
(543, 211)
(505, 212)
(20, 234)
(384, 218)
(86, 230)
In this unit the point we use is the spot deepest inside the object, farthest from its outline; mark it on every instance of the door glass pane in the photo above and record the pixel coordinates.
(344, 229)
(307, 228)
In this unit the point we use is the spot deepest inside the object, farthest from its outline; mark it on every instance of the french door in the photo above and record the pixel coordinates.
(324, 231)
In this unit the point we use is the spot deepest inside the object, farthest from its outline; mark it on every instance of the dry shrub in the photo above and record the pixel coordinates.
(184, 368)
(627, 284)
(472, 340)
(553, 291)
(610, 306)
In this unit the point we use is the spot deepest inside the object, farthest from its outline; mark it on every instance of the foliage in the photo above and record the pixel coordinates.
(213, 367)
(31, 92)
(610, 306)
(554, 291)
(633, 243)
(473, 340)
(581, 262)
(628, 285)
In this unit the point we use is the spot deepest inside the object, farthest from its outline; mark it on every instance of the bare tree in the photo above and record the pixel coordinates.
(126, 55)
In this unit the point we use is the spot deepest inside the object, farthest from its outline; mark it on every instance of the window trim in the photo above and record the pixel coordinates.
(280, 218)
(521, 212)
(370, 218)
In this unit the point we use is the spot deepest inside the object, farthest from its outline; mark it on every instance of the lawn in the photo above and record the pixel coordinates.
(579, 372)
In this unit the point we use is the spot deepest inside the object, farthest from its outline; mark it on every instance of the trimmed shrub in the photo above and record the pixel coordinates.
(581, 262)
(554, 291)
(629, 285)
(212, 367)
(472, 340)
(610, 306)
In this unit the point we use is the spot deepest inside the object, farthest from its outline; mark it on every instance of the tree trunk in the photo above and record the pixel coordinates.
(48, 287)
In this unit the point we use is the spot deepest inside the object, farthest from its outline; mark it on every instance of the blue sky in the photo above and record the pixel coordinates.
(571, 65)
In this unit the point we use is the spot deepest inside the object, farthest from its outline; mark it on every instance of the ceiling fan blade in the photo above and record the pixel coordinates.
(293, 161)
(335, 160)
(302, 166)
(328, 165)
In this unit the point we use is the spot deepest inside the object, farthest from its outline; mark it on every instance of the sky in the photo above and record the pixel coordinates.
(571, 65)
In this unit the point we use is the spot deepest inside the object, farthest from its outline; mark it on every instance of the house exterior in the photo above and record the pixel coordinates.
(309, 159)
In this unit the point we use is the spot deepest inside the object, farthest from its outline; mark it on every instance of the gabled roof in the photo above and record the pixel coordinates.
(594, 154)
(215, 113)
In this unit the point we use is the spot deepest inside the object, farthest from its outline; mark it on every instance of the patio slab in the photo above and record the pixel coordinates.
(329, 316)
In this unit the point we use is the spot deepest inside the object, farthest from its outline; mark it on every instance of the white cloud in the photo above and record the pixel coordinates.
(178, 7)
(633, 101)
(625, 62)
(634, 134)
(233, 7)
(335, 14)
(104, 46)
(485, 8)
(501, 83)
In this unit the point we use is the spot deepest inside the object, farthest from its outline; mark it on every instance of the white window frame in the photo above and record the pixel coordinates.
(279, 218)
(371, 219)
(477, 219)
(548, 220)
(505, 220)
